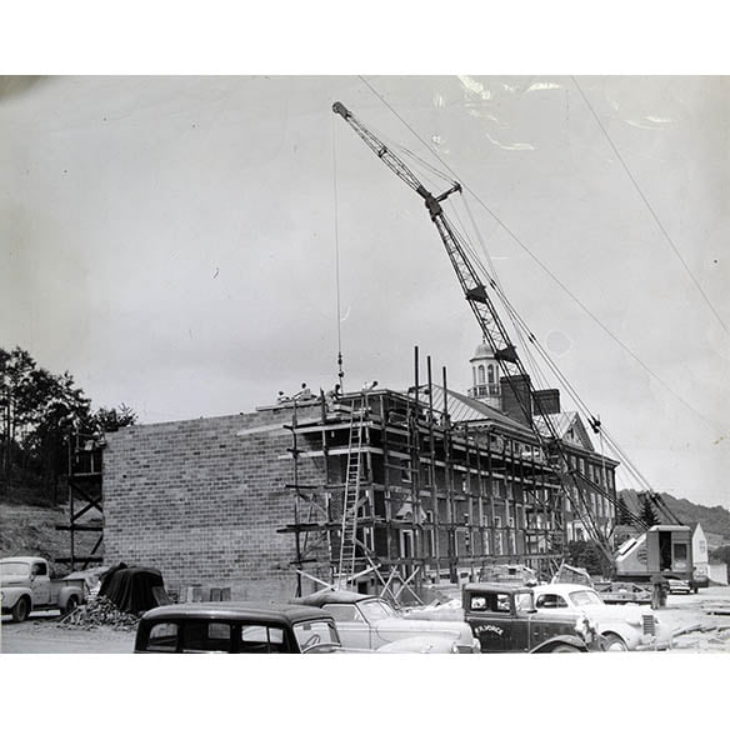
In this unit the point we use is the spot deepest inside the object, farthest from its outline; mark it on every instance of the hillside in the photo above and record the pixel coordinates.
(27, 529)
(714, 519)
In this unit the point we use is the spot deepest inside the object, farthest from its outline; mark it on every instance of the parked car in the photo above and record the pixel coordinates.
(676, 585)
(236, 628)
(623, 628)
(504, 619)
(370, 622)
(26, 585)
(622, 593)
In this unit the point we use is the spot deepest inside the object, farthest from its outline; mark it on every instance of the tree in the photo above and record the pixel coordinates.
(38, 412)
(623, 514)
(588, 555)
(647, 514)
(112, 419)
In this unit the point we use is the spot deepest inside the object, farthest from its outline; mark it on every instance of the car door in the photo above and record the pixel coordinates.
(40, 583)
(354, 630)
(490, 616)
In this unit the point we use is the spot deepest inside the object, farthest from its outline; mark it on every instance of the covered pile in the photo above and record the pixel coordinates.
(125, 594)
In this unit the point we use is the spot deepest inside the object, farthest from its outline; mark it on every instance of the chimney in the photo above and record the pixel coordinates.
(516, 397)
(546, 402)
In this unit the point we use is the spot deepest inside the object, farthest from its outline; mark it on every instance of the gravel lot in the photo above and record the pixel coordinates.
(704, 618)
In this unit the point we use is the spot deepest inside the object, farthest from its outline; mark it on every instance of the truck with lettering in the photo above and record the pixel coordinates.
(504, 619)
(26, 584)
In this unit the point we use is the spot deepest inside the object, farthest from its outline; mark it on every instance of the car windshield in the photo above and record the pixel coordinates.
(585, 598)
(15, 568)
(314, 636)
(375, 610)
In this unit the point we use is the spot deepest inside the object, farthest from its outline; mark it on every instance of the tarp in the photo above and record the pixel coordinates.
(133, 589)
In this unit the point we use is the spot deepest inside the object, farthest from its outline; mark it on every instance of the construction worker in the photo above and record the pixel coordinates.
(660, 589)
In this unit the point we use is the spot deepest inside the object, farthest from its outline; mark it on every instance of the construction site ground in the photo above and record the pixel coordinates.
(701, 623)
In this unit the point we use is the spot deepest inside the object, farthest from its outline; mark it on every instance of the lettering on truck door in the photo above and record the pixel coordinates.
(491, 617)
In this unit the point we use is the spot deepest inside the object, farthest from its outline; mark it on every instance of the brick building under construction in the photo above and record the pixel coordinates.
(418, 486)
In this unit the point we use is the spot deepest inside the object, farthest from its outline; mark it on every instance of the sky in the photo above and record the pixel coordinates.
(173, 242)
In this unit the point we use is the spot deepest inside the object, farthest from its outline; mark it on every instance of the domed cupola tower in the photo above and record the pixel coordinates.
(485, 377)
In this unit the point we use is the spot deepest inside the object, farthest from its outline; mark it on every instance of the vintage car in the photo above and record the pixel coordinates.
(621, 592)
(370, 622)
(622, 627)
(677, 585)
(236, 628)
(504, 619)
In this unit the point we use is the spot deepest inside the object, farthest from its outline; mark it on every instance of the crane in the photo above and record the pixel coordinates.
(571, 483)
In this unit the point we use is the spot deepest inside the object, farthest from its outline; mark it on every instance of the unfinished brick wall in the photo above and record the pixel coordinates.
(202, 503)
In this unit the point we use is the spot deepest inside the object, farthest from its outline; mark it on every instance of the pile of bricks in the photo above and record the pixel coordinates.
(101, 612)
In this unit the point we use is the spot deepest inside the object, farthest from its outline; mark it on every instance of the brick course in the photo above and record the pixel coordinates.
(202, 504)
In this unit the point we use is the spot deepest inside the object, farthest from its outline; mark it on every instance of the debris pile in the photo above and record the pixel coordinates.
(101, 612)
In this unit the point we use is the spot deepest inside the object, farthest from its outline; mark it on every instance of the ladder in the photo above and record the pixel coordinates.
(351, 498)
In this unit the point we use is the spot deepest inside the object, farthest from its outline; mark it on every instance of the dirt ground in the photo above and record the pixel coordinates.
(701, 624)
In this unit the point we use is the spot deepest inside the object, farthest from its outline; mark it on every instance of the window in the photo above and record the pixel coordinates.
(495, 602)
(585, 598)
(344, 612)
(480, 375)
(39, 569)
(162, 637)
(260, 639)
(206, 636)
(551, 600)
(376, 609)
(490, 374)
(313, 635)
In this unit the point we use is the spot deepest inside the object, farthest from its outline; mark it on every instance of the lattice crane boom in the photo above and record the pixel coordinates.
(491, 325)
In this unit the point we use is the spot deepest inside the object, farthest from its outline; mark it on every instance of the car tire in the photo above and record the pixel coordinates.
(613, 642)
(565, 649)
(71, 605)
(21, 610)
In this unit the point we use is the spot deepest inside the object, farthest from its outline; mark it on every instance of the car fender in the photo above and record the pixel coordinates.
(12, 594)
(548, 645)
(630, 635)
(66, 592)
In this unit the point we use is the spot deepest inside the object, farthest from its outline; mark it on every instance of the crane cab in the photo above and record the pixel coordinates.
(662, 550)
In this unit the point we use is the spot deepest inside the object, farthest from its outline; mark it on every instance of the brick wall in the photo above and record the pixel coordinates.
(202, 503)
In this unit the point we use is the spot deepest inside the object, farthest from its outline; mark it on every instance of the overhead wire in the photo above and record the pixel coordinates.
(518, 322)
(539, 262)
(649, 207)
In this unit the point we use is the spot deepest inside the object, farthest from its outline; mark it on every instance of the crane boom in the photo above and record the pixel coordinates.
(494, 332)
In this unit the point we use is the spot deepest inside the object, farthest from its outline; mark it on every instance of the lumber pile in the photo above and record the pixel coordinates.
(100, 612)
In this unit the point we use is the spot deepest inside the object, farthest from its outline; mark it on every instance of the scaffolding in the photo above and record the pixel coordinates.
(84, 477)
(404, 497)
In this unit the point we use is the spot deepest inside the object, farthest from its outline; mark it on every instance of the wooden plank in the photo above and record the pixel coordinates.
(81, 528)
(80, 559)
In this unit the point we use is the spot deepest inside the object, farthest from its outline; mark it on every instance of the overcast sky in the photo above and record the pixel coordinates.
(171, 242)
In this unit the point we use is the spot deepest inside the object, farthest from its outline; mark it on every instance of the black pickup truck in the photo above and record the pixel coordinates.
(504, 619)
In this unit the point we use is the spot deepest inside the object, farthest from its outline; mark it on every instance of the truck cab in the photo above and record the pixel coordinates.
(27, 585)
(504, 619)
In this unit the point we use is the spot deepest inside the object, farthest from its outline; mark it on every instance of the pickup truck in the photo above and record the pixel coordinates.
(26, 585)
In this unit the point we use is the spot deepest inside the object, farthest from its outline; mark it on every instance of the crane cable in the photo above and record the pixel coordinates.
(340, 372)
(664, 231)
(537, 260)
